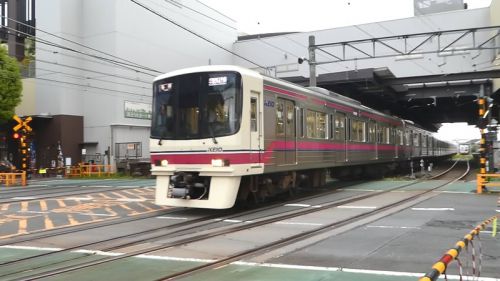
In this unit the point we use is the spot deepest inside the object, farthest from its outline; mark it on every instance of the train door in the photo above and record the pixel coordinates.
(285, 132)
(340, 136)
(255, 130)
(396, 142)
(372, 137)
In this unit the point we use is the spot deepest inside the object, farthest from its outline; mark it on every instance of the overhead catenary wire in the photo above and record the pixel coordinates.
(196, 34)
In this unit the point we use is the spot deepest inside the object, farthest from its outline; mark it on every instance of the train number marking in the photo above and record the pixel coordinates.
(215, 149)
(269, 103)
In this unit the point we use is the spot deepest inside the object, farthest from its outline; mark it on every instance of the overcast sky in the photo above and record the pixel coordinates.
(264, 16)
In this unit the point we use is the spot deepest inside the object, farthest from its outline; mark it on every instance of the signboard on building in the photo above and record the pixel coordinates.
(425, 7)
(138, 110)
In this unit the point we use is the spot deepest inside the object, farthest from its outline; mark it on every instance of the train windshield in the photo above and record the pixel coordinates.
(197, 105)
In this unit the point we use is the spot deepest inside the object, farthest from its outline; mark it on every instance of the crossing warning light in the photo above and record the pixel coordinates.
(16, 136)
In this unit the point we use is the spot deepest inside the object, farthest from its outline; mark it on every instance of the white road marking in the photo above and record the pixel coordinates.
(34, 212)
(24, 198)
(97, 252)
(350, 270)
(457, 192)
(37, 185)
(299, 223)
(131, 200)
(174, 258)
(433, 209)
(98, 215)
(30, 248)
(297, 205)
(234, 221)
(360, 189)
(393, 227)
(271, 265)
(172, 218)
(78, 198)
(356, 207)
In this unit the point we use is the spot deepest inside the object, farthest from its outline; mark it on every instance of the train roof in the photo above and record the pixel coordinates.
(209, 68)
(313, 91)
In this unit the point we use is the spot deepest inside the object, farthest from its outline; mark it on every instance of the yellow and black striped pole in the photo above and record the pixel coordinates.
(482, 143)
(440, 266)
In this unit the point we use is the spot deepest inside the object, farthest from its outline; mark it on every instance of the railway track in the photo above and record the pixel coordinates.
(32, 194)
(182, 234)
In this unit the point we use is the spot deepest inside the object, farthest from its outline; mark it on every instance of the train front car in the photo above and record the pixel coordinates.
(205, 135)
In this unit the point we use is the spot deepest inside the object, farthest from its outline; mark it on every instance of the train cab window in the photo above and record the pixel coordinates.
(280, 118)
(339, 126)
(253, 114)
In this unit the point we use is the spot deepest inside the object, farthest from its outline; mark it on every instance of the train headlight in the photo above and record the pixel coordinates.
(164, 163)
(220, 162)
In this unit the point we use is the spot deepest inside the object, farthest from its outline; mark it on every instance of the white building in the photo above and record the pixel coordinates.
(97, 93)
(94, 91)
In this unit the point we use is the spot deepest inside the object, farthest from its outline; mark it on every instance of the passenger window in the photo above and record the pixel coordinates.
(280, 118)
(372, 134)
(316, 124)
(339, 126)
(416, 139)
(358, 130)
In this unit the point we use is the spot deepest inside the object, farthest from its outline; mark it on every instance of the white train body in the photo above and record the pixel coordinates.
(266, 136)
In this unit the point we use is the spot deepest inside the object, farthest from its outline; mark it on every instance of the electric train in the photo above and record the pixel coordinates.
(225, 133)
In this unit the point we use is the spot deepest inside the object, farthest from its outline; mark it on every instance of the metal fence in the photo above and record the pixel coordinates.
(128, 150)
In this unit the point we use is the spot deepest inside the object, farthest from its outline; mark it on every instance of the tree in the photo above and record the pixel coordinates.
(10, 85)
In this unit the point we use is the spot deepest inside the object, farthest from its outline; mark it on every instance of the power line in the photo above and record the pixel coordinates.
(88, 91)
(91, 78)
(91, 87)
(50, 43)
(82, 45)
(84, 69)
(195, 34)
(93, 71)
(205, 15)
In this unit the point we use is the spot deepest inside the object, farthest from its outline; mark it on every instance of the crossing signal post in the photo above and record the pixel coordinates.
(21, 132)
(482, 126)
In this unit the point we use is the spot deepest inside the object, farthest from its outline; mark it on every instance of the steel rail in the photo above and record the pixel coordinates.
(220, 232)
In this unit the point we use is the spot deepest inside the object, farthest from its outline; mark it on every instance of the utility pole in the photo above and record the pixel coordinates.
(312, 61)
